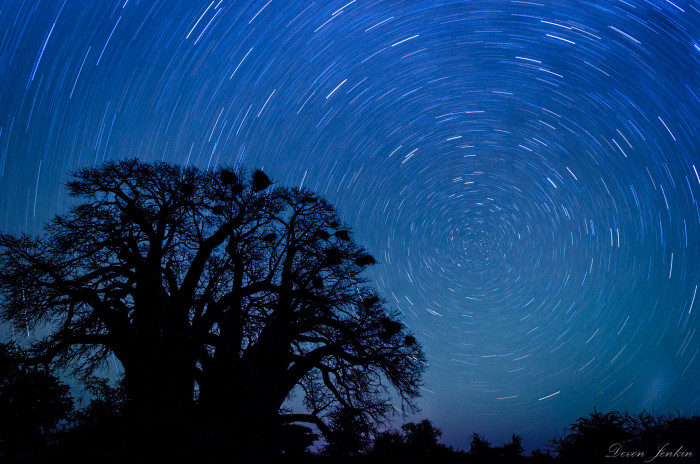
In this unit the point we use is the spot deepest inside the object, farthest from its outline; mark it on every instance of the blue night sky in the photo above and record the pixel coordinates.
(525, 172)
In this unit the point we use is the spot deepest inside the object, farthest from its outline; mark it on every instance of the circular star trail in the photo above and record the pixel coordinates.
(526, 172)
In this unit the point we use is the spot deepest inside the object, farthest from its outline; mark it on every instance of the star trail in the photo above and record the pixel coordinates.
(525, 172)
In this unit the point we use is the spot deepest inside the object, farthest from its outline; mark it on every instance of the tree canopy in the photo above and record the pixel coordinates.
(219, 294)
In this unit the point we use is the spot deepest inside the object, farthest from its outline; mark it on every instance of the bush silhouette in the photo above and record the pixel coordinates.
(33, 401)
(591, 437)
(99, 428)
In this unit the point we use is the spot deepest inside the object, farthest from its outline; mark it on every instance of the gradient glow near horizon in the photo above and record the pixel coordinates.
(525, 172)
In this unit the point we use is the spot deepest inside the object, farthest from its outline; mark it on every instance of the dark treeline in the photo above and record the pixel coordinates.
(39, 423)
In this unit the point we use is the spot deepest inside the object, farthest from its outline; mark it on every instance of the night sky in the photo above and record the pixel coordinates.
(525, 172)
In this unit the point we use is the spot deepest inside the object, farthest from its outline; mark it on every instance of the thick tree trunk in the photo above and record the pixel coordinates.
(160, 389)
(240, 419)
(243, 398)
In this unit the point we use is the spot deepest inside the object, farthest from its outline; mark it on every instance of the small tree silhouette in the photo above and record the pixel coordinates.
(350, 434)
(99, 427)
(539, 456)
(421, 435)
(389, 447)
(649, 433)
(591, 437)
(513, 450)
(480, 449)
(32, 403)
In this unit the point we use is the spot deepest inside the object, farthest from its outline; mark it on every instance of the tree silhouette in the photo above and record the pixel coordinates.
(32, 403)
(421, 435)
(99, 427)
(350, 434)
(480, 449)
(649, 433)
(418, 443)
(389, 447)
(591, 437)
(210, 282)
(513, 450)
(540, 456)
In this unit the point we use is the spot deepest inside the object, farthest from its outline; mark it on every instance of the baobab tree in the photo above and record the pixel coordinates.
(219, 295)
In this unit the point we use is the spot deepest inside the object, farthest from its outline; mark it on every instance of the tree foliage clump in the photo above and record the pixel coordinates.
(99, 426)
(33, 402)
(592, 436)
